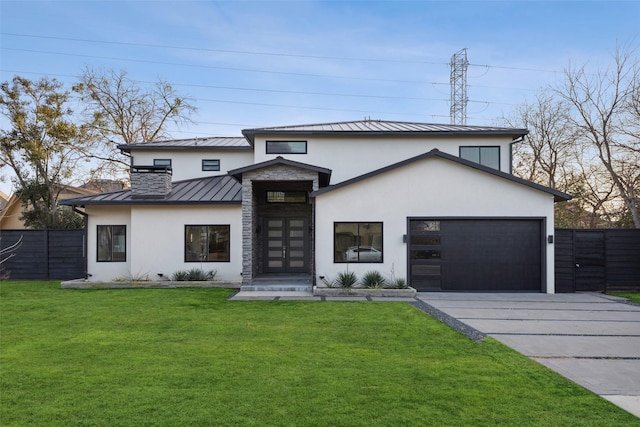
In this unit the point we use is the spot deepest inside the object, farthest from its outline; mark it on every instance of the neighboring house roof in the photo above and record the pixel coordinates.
(384, 127)
(559, 196)
(4, 200)
(11, 214)
(323, 173)
(216, 189)
(103, 185)
(218, 143)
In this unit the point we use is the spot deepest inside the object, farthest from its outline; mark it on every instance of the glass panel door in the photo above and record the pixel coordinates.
(286, 249)
(425, 254)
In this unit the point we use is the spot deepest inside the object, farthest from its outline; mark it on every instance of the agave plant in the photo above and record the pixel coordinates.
(373, 280)
(399, 283)
(347, 280)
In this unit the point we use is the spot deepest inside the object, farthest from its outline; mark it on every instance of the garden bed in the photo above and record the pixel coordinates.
(142, 284)
(364, 292)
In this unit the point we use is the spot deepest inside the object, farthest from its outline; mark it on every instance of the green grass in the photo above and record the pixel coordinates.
(190, 357)
(633, 296)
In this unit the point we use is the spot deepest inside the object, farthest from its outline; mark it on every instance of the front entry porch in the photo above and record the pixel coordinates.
(278, 230)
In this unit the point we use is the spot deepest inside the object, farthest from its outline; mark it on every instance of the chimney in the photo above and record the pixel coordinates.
(150, 182)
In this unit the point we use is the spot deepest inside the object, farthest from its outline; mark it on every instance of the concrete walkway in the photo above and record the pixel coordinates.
(592, 339)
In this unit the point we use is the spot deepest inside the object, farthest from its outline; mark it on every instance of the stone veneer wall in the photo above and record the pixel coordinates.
(156, 184)
(249, 214)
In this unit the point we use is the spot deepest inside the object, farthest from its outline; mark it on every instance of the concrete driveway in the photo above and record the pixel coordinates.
(592, 339)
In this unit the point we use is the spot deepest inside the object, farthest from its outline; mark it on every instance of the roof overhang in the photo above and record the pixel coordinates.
(384, 128)
(324, 174)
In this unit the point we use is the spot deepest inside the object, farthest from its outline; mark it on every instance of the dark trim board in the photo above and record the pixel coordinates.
(477, 254)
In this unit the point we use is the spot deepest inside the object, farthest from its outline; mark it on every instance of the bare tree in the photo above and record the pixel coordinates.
(544, 154)
(123, 112)
(602, 104)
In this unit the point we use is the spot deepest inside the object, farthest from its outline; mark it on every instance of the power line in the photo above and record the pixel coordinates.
(242, 52)
(293, 92)
(251, 70)
(278, 54)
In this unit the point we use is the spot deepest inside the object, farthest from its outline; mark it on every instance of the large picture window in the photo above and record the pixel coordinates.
(359, 242)
(286, 147)
(486, 156)
(206, 243)
(112, 243)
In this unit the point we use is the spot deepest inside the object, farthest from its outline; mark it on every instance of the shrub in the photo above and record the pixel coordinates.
(399, 283)
(195, 274)
(373, 280)
(346, 280)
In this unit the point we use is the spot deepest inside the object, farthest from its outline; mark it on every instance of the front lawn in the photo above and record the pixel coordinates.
(633, 296)
(190, 357)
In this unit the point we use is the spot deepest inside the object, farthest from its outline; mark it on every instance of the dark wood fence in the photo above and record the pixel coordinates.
(597, 260)
(45, 254)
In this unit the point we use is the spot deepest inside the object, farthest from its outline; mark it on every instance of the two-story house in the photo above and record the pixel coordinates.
(434, 204)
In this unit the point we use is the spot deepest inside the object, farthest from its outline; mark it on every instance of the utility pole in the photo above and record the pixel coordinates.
(459, 65)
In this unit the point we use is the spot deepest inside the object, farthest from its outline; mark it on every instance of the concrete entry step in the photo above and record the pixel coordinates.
(280, 283)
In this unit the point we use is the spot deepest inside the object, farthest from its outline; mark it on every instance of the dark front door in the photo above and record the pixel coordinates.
(286, 246)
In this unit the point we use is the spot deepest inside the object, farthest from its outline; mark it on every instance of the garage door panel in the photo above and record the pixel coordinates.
(488, 255)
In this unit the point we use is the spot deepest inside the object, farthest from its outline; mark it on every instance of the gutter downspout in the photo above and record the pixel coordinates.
(85, 219)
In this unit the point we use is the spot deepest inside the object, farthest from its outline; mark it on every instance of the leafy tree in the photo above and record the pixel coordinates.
(121, 111)
(42, 146)
(37, 214)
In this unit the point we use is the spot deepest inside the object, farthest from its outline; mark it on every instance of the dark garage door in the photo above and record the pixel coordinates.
(475, 254)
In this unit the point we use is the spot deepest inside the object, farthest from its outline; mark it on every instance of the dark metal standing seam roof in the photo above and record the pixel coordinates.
(217, 143)
(211, 190)
(384, 127)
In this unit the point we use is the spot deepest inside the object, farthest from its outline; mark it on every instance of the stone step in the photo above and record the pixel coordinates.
(277, 287)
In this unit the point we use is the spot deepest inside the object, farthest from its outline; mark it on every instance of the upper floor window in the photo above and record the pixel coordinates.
(162, 162)
(486, 156)
(211, 165)
(286, 147)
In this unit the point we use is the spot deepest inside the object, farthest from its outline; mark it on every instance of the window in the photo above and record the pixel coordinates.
(357, 242)
(286, 147)
(487, 156)
(162, 162)
(206, 243)
(286, 197)
(112, 241)
(211, 165)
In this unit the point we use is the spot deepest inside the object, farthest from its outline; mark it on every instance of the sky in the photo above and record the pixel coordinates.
(250, 64)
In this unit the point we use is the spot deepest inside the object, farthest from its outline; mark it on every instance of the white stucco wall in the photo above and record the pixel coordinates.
(158, 235)
(351, 156)
(187, 164)
(155, 240)
(432, 187)
(107, 215)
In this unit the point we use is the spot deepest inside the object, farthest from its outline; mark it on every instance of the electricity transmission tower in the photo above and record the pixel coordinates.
(459, 64)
